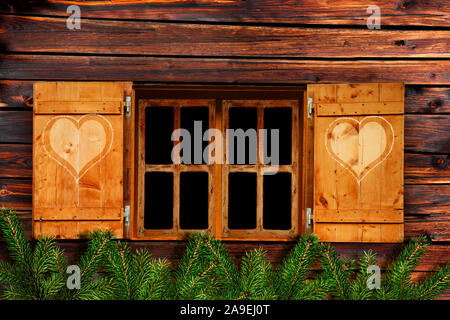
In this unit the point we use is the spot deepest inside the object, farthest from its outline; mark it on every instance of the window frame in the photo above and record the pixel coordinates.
(259, 233)
(175, 233)
(217, 93)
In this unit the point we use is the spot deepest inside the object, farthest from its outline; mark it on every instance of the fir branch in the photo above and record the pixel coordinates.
(359, 289)
(295, 267)
(434, 285)
(398, 279)
(336, 270)
(20, 249)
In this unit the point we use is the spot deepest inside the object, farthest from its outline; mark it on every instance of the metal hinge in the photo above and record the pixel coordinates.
(310, 108)
(309, 217)
(127, 105)
(126, 216)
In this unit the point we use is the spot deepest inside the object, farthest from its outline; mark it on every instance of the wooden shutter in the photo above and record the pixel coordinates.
(78, 158)
(358, 161)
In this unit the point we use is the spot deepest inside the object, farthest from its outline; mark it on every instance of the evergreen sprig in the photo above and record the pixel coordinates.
(39, 273)
(206, 271)
(135, 276)
(336, 270)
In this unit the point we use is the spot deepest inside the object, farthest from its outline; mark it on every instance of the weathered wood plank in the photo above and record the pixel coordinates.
(16, 94)
(15, 194)
(16, 160)
(427, 99)
(41, 34)
(427, 199)
(402, 12)
(436, 227)
(16, 127)
(424, 168)
(235, 71)
(418, 99)
(427, 133)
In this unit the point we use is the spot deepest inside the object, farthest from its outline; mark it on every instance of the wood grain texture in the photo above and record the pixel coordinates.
(425, 168)
(15, 194)
(427, 133)
(16, 94)
(16, 126)
(342, 12)
(15, 161)
(418, 99)
(427, 199)
(436, 227)
(41, 34)
(427, 99)
(232, 71)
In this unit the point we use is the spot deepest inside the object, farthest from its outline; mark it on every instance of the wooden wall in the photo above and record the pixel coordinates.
(291, 42)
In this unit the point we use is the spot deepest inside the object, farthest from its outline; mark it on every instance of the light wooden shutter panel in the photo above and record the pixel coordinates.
(77, 158)
(358, 161)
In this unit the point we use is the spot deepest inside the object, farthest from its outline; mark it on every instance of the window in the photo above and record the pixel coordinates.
(245, 186)
(174, 198)
(247, 163)
(259, 202)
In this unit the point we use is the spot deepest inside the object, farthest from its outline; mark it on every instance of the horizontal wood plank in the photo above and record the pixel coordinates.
(427, 133)
(16, 160)
(16, 126)
(427, 99)
(354, 12)
(233, 71)
(43, 34)
(16, 94)
(359, 216)
(418, 99)
(436, 227)
(15, 194)
(425, 168)
(427, 199)
(77, 107)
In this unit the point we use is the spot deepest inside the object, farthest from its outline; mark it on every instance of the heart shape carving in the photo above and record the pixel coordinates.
(78, 144)
(359, 146)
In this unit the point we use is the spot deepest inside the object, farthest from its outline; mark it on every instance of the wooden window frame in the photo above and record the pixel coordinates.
(259, 233)
(175, 233)
(301, 129)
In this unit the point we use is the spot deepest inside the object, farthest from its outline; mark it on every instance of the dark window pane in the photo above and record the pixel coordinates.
(158, 130)
(242, 201)
(158, 200)
(189, 115)
(281, 119)
(194, 200)
(277, 201)
(243, 119)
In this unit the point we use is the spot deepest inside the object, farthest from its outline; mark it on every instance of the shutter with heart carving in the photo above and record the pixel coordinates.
(358, 161)
(78, 158)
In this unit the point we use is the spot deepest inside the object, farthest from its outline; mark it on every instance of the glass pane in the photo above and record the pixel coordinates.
(158, 130)
(243, 143)
(242, 201)
(194, 200)
(277, 201)
(196, 121)
(158, 200)
(281, 119)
